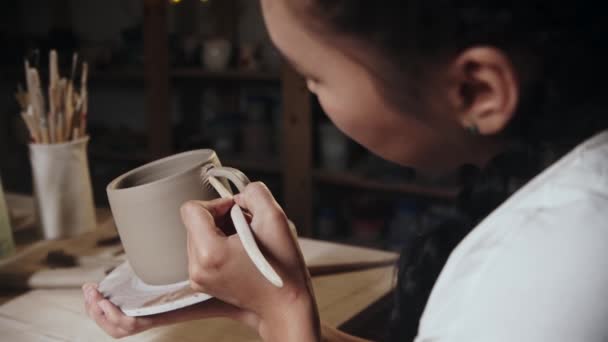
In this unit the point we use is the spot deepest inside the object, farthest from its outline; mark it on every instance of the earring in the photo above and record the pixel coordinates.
(472, 129)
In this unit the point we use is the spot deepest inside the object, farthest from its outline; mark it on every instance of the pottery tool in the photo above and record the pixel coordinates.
(70, 99)
(54, 94)
(74, 115)
(85, 99)
(28, 118)
(208, 175)
(29, 82)
(67, 109)
(61, 109)
(35, 94)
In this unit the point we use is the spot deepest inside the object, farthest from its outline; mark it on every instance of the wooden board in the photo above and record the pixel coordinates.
(21, 211)
(15, 270)
(58, 315)
(324, 257)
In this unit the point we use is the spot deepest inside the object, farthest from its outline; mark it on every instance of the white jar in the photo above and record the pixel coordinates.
(216, 54)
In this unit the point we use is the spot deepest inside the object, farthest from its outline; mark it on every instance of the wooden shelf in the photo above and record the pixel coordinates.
(352, 180)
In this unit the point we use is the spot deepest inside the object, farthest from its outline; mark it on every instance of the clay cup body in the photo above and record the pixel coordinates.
(146, 203)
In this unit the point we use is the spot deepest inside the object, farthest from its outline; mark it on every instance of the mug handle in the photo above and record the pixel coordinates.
(237, 177)
(241, 226)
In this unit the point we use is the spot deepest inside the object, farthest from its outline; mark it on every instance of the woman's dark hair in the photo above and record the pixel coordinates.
(558, 50)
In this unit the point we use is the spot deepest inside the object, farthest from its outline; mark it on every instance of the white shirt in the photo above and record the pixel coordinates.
(536, 269)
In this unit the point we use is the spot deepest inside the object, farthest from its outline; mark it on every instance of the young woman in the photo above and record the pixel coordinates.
(436, 84)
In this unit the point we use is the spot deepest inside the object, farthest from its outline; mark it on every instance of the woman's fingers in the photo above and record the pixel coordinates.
(90, 296)
(107, 315)
(115, 316)
(207, 251)
(218, 207)
(200, 222)
(193, 266)
(116, 324)
(258, 200)
(269, 220)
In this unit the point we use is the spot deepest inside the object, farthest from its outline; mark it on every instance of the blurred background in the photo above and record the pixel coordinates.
(173, 75)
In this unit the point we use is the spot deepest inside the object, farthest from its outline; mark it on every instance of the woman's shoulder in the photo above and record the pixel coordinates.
(558, 220)
(570, 198)
(545, 282)
(535, 261)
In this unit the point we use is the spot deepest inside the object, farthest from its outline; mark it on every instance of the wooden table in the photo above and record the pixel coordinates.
(58, 314)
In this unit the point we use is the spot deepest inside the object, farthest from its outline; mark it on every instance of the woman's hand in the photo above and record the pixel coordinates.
(116, 324)
(219, 265)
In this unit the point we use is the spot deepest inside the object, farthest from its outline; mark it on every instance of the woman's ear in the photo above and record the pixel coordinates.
(484, 89)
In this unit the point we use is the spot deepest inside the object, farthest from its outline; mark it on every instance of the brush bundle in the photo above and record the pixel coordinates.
(61, 117)
(58, 150)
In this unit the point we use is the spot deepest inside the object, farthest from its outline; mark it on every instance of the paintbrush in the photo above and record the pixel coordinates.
(54, 97)
(68, 111)
(28, 118)
(31, 91)
(85, 99)
(69, 99)
(38, 101)
(30, 87)
(66, 117)
(61, 105)
(31, 115)
(75, 120)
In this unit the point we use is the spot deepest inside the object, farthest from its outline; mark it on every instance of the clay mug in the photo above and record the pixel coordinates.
(216, 54)
(145, 203)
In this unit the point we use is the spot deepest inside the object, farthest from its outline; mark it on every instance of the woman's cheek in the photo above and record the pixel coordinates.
(344, 116)
(337, 114)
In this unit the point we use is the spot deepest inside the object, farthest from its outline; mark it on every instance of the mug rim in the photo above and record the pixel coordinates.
(41, 146)
(112, 186)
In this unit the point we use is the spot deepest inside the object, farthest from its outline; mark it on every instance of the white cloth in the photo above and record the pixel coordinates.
(536, 269)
